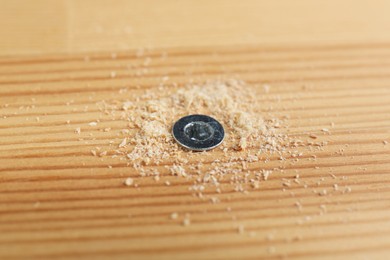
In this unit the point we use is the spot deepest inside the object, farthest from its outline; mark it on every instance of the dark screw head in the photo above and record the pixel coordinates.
(198, 132)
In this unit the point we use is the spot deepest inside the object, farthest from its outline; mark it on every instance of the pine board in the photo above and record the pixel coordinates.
(59, 202)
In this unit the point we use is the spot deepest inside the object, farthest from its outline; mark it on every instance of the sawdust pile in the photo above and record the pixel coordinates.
(250, 140)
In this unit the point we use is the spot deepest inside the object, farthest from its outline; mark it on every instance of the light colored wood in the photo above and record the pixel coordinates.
(47, 26)
(326, 61)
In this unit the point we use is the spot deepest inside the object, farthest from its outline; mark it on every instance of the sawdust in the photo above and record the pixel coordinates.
(253, 137)
(250, 138)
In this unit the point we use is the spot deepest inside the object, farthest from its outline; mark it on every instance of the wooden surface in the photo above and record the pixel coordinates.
(327, 62)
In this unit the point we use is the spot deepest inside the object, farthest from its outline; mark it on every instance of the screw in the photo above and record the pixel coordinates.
(198, 132)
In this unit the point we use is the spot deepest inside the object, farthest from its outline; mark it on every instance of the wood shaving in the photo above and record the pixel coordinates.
(123, 143)
(129, 182)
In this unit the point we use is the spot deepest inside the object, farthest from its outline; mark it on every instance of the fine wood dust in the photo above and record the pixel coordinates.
(250, 138)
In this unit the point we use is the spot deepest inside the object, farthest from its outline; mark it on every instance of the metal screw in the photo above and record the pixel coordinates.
(198, 132)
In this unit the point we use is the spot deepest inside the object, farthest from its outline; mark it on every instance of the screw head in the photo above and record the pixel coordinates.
(198, 132)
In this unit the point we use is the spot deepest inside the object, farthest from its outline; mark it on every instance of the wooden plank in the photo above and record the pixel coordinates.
(328, 68)
(33, 27)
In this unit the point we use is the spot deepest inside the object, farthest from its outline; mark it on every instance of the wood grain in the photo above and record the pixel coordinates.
(60, 202)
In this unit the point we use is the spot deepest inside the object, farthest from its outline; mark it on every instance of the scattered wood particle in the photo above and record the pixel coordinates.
(77, 130)
(347, 190)
(186, 221)
(255, 184)
(129, 182)
(104, 153)
(174, 215)
(298, 205)
(323, 193)
(243, 144)
(266, 88)
(266, 175)
(241, 229)
(123, 143)
(177, 170)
